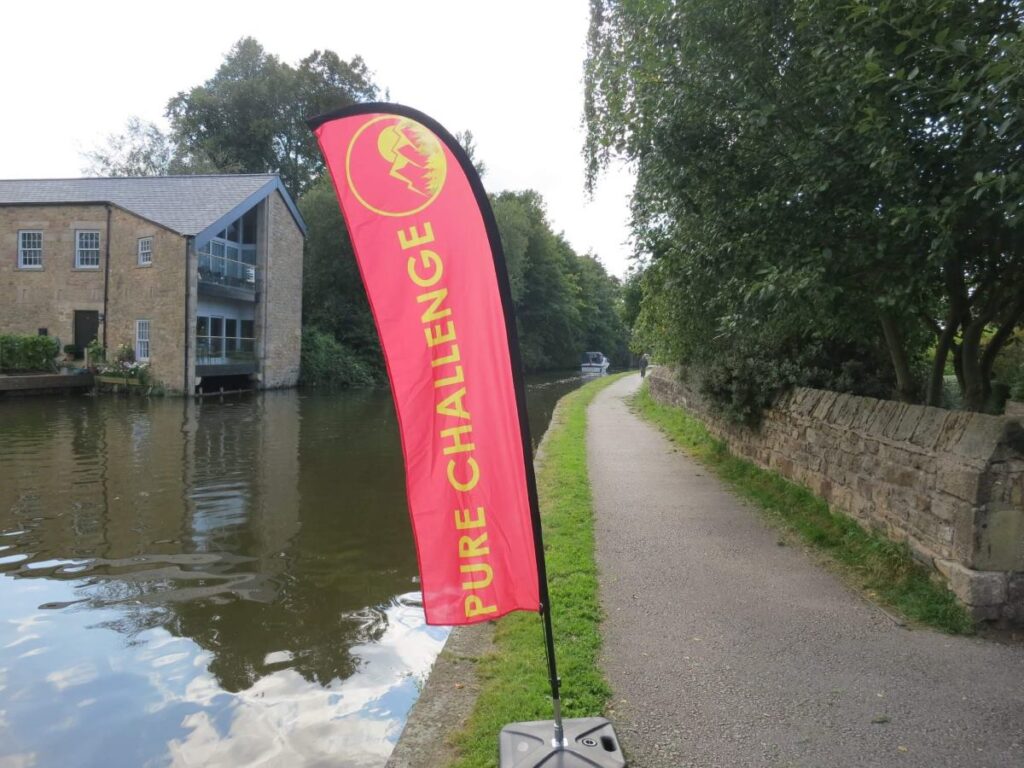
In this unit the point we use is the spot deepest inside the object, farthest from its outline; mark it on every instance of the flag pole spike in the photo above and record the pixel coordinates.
(558, 739)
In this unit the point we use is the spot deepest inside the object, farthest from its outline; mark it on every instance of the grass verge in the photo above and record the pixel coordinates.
(514, 681)
(884, 569)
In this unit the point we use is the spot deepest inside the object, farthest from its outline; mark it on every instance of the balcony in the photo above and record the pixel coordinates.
(218, 356)
(221, 275)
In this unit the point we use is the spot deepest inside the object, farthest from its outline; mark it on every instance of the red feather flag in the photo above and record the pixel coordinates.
(431, 260)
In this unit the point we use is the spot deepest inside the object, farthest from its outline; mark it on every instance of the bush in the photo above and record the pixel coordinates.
(27, 353)
(125, 369)
(125, 354)
(95, 353)
(741, 382)
(328, 363)
(1009, 366)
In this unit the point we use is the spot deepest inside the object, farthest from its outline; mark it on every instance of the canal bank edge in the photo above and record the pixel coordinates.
(452, 688)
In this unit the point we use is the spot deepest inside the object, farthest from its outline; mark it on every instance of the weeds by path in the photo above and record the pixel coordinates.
(884, 570)
(514, 678)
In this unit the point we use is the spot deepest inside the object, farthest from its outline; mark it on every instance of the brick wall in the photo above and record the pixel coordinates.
(948, 483)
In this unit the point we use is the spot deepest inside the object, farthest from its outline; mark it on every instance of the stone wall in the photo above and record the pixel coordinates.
(47, 297)
(948, 483)
(155, 293)
(279, 316)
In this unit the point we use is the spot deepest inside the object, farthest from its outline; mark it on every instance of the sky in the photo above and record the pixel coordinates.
(512, 73)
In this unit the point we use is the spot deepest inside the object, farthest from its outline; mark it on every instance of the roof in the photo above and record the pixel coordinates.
(197, 206)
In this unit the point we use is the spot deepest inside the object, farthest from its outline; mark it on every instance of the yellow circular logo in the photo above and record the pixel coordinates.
(395, 166)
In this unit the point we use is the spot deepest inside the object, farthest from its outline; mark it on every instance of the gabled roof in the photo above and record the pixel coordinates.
(198, 206)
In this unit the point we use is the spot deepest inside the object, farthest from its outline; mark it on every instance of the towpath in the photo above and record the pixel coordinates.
(725, 649)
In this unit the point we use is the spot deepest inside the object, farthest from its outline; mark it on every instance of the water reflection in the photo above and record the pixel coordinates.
(208, 584)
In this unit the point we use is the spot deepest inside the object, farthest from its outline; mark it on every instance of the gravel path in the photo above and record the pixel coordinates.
(724, 648)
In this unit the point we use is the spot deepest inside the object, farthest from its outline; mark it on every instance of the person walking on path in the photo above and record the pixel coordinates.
(644, 362)
(723, 648)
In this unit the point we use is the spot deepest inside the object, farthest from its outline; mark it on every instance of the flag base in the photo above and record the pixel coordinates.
(590, 742)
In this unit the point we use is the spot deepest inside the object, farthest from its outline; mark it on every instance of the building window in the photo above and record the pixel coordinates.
(145, 251)
(87, 249)
(142, 340)
(30, 249)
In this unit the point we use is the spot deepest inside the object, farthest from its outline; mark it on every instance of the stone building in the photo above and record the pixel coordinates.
(200, 275)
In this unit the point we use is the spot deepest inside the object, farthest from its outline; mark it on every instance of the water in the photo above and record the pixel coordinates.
(217, 583)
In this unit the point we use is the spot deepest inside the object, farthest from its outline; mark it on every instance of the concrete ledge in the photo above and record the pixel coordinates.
(44, 382)
(445, 702)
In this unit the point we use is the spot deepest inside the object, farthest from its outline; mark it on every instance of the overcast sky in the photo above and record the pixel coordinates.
(510, 72)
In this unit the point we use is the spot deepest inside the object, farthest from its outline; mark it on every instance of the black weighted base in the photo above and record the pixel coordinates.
(590, 742)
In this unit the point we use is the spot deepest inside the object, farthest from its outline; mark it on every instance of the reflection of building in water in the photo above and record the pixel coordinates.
(325, 575)
(268, 524)
(96, 482)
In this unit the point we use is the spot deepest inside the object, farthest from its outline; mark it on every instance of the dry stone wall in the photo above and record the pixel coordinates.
(948, 483)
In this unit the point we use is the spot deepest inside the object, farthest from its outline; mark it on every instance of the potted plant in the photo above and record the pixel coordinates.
(95, 355)
(124, 370)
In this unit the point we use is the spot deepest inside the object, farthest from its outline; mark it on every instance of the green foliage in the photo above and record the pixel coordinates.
(632, 296)
(141, 150)
(327, 363)
(333, 297)
(95, 353)
(125, 354)
(250, 117)
(565, 304)
(514, 677)
(742, 380)
(126, 368)
(1009, 367)
(884, 569)
(27, 353)
(842, 176)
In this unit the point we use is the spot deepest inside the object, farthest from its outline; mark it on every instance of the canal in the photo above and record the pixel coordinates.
(216, 583)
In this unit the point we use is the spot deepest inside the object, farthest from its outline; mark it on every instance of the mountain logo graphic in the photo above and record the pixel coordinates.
(395, 166)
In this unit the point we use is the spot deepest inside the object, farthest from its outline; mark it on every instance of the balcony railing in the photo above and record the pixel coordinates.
(216, 350)
(220, 270)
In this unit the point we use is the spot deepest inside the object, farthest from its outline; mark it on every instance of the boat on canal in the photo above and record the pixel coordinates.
(594, 363)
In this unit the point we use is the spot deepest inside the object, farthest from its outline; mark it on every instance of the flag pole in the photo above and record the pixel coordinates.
(590, 739)
(558, 738)
(515, 358)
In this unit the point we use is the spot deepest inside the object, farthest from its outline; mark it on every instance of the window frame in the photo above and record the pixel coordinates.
(147, 252)
(139, 340)
(22, 249)
(79, 250)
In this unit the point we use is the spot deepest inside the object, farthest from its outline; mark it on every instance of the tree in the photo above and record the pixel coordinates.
(468, 142)
(250, 116)
(141, 150)
(821, 186)
(940, 88)
(565, 303)
(333, 297)
(600, 308)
